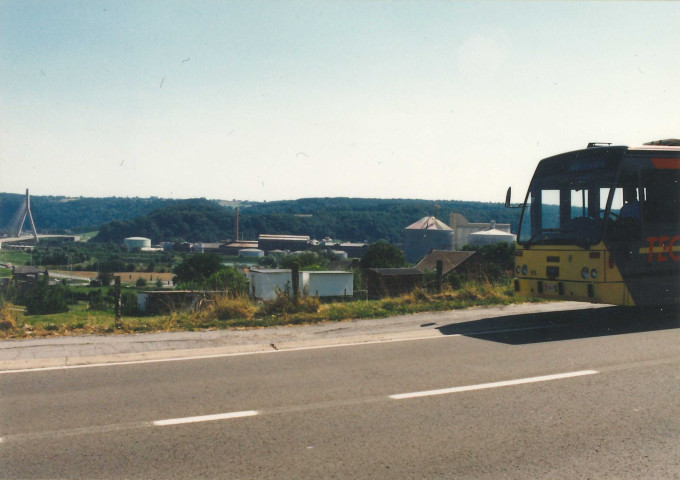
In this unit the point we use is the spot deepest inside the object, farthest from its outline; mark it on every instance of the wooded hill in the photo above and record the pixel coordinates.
(201, 220)
(346, 219)
(80, 214)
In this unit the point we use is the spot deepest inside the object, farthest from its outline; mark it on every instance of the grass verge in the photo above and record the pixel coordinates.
(223, 312)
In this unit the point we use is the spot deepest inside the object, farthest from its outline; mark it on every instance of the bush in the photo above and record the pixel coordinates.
(95, 300)
(129, 304)
(44, 299)
(284, 304)
(383, 255)
(228, 307)
(228, 279)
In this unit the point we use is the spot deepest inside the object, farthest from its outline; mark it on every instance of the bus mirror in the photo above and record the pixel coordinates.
(507, 197)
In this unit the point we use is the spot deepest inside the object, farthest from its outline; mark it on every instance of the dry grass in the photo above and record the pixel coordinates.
(8, 317)
(229, 311)
(226, 307)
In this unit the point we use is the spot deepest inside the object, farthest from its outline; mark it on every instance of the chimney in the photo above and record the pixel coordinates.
(236, 225)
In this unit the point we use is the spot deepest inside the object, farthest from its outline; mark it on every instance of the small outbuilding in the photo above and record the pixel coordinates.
(265, 283)
(450, 261)
(160, 302)
(392, 282)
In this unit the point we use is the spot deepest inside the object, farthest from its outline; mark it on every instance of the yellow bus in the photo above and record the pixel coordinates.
(602, 225)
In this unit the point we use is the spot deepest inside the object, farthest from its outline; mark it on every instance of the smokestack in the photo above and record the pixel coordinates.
(236, 224)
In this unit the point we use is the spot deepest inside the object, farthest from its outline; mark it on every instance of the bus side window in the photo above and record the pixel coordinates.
(662, 196)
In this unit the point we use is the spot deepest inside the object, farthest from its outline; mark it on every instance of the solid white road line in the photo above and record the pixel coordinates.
(224, 355)
(482, 386)
(205, 418)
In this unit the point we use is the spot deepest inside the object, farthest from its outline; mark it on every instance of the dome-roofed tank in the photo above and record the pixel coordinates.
(491, 236)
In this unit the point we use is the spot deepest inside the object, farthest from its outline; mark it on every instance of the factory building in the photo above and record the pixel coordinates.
(290, 243)
(425, 235)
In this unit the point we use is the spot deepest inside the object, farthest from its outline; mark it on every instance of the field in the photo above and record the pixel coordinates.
(125, 277)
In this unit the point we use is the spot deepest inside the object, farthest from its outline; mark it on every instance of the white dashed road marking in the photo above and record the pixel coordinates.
(205, 418)
(483, 386)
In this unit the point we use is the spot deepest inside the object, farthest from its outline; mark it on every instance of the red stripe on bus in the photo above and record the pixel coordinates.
(666, 163)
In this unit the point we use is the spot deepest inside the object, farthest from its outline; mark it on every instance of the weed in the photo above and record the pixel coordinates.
(228, 307)
(239, 311)
(8, 319)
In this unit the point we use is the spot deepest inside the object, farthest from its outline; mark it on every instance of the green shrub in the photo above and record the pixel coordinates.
(45, 299)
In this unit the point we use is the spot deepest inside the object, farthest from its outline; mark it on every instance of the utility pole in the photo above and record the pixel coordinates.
(118, 305)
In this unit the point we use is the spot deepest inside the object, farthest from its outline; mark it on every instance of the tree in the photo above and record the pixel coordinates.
(228, 279)
(383, 255)
(44, 299)
(197, 268)
(305, 261)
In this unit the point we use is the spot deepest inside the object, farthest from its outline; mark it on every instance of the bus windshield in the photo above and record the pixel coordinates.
(567, 201)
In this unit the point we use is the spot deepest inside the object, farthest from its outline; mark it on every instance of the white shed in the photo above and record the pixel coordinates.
(328, 284)
(265, 283)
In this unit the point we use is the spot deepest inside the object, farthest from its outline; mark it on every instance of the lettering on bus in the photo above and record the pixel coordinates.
(666, 252)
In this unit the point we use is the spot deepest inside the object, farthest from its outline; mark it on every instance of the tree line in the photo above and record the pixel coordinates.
(345, 219)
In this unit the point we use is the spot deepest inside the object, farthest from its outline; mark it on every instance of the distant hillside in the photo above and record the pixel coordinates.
(77, 214)
(348, 219)
(184, 220)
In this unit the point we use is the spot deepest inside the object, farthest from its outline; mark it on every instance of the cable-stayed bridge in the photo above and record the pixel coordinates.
(15, 227)
(16, 224)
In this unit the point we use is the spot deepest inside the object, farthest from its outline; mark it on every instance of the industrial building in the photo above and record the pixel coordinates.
(290, 243)
(234, 248)
(462, 229)
(425, 235)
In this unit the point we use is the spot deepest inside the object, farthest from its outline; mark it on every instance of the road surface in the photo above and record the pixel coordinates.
(587, 393)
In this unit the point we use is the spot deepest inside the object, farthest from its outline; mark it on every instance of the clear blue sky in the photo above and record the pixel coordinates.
(271, 100)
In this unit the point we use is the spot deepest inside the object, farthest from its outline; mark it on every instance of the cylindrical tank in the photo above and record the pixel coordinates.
(137, 242)
(250, 252)
(490, 237)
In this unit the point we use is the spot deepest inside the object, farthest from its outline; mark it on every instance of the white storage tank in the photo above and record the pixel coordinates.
(137, 242)
(250, 252)
(491, 236)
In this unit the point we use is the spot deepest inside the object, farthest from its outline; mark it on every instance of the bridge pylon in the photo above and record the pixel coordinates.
(27, 213)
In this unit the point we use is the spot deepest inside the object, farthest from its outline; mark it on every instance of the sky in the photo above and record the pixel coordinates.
(278, 100)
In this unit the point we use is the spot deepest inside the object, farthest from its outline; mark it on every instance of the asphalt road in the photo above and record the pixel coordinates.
(589, 393)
